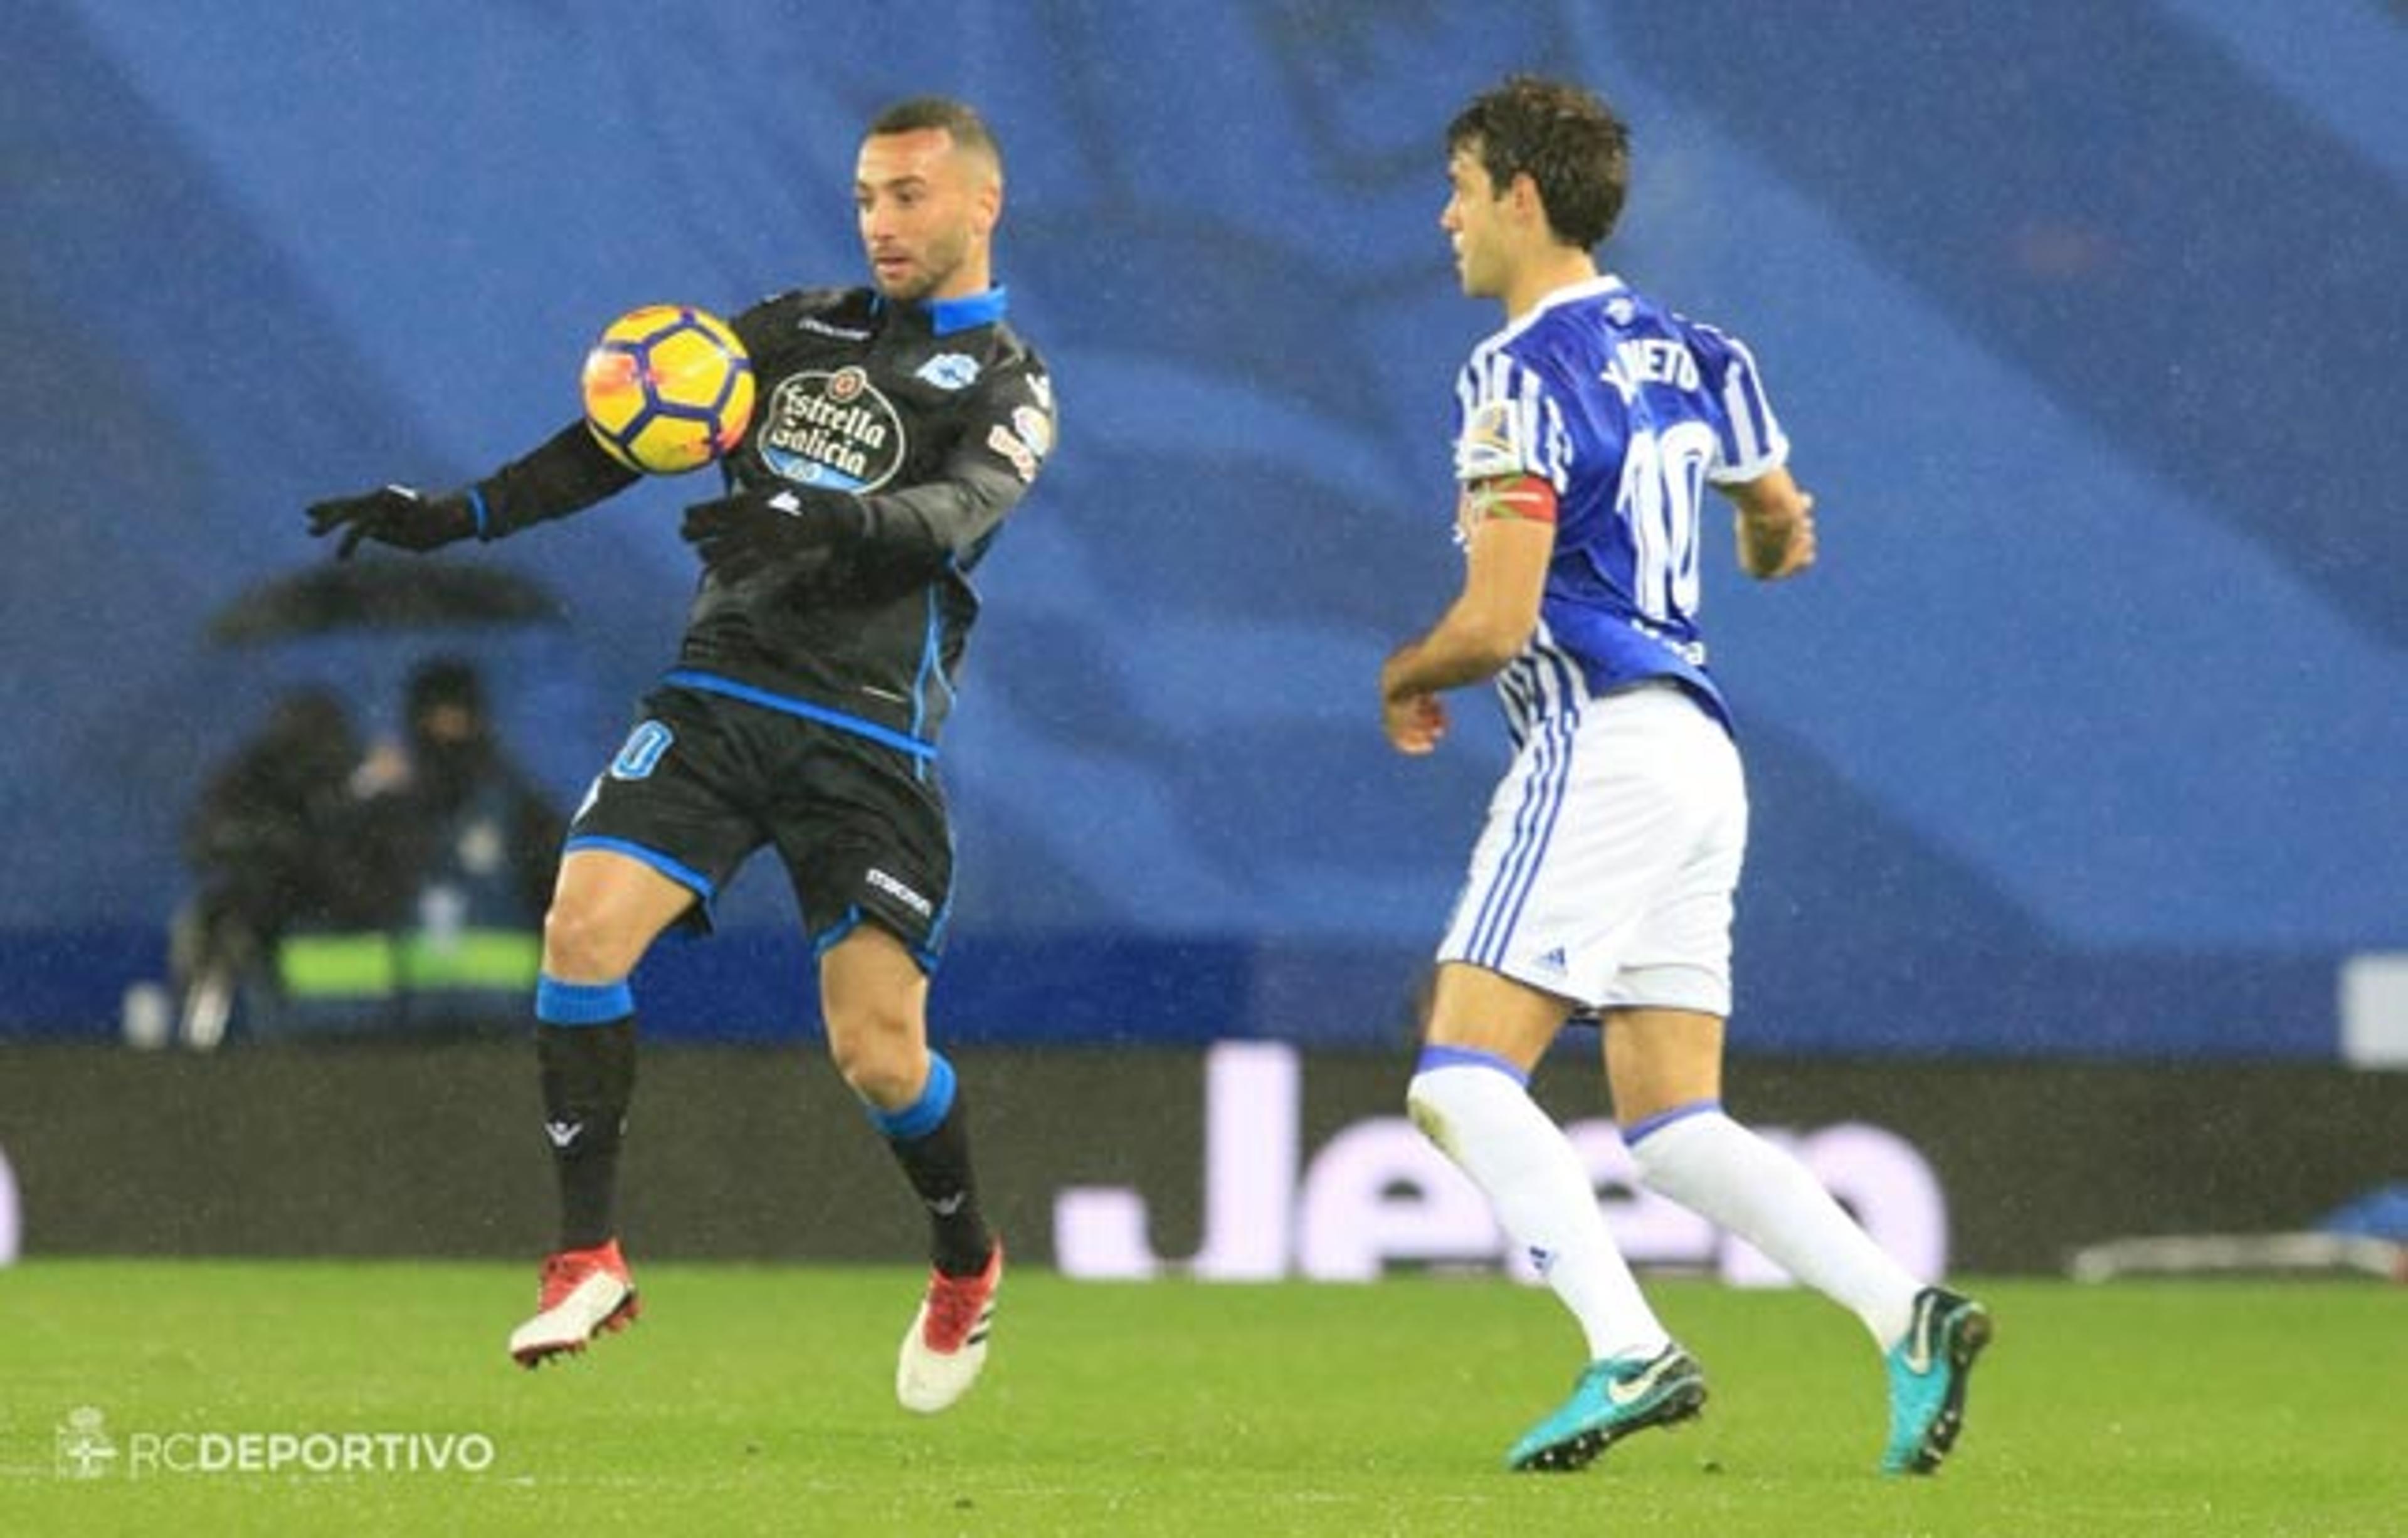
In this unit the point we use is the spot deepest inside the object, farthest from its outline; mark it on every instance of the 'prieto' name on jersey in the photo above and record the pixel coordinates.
(1629, 411)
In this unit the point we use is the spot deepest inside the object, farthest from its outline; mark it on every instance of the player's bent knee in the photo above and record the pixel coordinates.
(880, 1051)
(884, 1074)
(582, 943)
(605, 912)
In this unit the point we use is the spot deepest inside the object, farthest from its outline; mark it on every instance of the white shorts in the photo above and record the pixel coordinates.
(1613, 848)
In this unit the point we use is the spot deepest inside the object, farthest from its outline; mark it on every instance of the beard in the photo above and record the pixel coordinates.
(933, 266)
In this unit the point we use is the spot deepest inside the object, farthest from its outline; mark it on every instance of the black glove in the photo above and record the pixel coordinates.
(400, 516)
(751, 532)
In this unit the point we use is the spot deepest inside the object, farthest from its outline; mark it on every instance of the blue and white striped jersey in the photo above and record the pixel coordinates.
(1628, 410)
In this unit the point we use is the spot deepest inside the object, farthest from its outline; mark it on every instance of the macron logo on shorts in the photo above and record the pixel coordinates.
(899, 892)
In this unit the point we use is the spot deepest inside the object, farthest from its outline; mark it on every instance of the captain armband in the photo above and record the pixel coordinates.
(1526, 498)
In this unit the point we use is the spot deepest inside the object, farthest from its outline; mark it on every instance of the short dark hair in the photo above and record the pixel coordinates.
(956, 117)
(1570, 143)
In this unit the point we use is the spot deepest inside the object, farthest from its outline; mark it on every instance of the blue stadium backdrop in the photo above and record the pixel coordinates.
(2086, 738)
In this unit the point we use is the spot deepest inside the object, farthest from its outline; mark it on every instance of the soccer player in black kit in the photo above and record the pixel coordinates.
(897, 425)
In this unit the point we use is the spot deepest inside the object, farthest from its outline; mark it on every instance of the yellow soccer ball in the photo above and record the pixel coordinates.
(667, 389)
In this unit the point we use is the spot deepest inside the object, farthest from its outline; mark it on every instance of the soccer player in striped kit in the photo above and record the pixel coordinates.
(1600, 888)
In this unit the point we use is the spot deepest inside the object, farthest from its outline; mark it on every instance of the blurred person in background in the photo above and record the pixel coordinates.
(454, 852)
(266, 843)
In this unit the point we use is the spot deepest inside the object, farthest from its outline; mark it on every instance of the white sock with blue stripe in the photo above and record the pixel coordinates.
(1748, 1186)
(1475, 1108)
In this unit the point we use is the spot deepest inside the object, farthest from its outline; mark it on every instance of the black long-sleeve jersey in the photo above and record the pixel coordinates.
(936, 416)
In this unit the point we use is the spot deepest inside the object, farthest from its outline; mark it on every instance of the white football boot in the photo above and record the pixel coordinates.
(585, 1293)
(946, 1345)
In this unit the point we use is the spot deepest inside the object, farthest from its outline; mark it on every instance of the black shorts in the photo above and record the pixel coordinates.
(704, 781)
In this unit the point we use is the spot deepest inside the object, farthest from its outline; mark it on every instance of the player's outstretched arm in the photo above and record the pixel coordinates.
(1775, 526)
(568, 473)
(403, 517)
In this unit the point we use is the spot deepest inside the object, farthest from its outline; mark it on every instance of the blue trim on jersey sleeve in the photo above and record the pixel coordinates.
(712, 683)
(558, 1003)
(477, 510)
(1446, 1057)
(1646, 1126)
(925, 1114)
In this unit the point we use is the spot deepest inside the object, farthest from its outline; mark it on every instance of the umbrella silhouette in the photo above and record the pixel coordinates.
(371, 594)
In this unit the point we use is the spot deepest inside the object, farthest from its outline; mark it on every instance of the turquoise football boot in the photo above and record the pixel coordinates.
(1928, 1369)
(1611, 1399)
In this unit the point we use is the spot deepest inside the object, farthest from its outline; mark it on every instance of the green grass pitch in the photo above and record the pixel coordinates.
(759, 1400)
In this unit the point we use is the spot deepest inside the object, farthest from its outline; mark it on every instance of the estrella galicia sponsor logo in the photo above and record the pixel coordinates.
(949, 371)
(834, 430)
